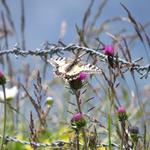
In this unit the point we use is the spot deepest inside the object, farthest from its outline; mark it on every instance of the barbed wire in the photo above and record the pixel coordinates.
(55, 144)
(52, 49)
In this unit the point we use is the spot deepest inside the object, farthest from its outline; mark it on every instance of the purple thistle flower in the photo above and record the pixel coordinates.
(82, 76)
(77, 116)
(78, 121)
(1, 74)
(121, 109)
(109, 50)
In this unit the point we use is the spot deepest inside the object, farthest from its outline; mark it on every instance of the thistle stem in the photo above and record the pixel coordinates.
(77, 140)
(4, 125)
(77, 94)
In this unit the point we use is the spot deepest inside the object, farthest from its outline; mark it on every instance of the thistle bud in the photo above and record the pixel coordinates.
(78, 121)
(109, 50)
(49, 101)
(134, 132)
(2, 78)
(76, 84)
(122, 115)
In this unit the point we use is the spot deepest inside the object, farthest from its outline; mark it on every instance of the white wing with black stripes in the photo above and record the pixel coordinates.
(71, 68)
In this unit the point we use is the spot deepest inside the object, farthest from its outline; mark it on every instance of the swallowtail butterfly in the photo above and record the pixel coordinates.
(69, 69)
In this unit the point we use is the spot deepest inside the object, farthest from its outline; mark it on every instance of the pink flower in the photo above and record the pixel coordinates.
(2, 78)
(82, 75)
(77, 116)
(78, 121)
(122, 115)
(109, 50)
(1, 74)
(121, 109)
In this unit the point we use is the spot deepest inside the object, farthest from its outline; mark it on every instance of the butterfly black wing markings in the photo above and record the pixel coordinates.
(59, 65)
(63, 67)
(69, 69)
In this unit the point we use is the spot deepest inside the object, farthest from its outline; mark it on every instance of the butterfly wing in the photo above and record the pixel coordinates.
(63, 71)
(78, 68)
(60, 64)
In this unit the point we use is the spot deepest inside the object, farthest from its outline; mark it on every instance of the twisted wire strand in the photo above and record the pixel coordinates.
(56, 144)
(55, 49)
(37, 144)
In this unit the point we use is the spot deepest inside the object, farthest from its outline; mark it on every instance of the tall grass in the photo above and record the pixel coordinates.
(113, 109)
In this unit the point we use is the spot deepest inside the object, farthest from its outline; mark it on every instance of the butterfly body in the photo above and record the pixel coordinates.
(69, 69)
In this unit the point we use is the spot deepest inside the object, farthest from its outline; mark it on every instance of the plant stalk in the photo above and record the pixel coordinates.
(77, 93)
(4, 125)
